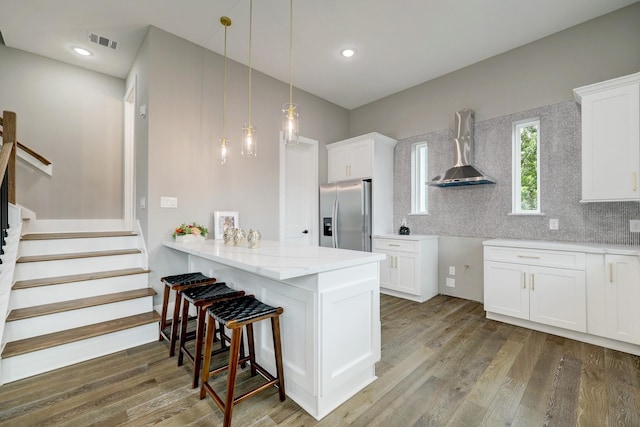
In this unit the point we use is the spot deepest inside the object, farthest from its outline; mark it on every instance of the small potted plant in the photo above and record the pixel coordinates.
(189, 232)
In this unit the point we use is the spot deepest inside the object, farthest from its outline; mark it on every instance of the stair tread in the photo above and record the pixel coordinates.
(16, 348)
(77, 235)
(74, 255)
(59, 307)
(33, 283)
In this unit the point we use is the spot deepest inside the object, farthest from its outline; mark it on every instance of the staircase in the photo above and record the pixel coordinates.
(80, 290)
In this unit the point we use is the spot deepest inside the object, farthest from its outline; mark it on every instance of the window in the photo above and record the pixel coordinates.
(526, 166)
(419, 175)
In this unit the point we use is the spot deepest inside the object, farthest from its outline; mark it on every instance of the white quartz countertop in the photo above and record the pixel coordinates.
(566, 246)
(406, 236)
(276, 260)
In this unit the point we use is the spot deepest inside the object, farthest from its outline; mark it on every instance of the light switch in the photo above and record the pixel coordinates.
(168, 202)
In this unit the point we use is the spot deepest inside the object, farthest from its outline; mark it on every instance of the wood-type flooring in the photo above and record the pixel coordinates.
(443, 364)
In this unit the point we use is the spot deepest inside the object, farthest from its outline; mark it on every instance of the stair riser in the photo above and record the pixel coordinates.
(47, 247)
(41, 269)
(29, 364)
(72, 225)
(68, 291)
(31, 327)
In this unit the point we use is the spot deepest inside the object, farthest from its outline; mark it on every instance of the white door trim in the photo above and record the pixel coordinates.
(313, 226)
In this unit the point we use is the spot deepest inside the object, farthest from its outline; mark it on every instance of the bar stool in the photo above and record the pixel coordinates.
(177, 283)
(201, 297)
(234, 314)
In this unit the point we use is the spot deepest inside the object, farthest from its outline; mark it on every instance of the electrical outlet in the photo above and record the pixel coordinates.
(451, 283)
(143, 202)
(634, 225)
(553, 224)
(168, 202)
(452, 270)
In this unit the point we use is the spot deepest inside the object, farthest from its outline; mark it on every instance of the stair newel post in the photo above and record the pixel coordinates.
(9, 136)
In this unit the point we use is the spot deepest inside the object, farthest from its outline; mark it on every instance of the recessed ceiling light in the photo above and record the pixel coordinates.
(81, 51)
(347, 53)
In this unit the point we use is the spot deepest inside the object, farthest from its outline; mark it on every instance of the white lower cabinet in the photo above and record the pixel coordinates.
(542, 286)
(548, 295)
(410, 269)
(585, 292)
(614, 293)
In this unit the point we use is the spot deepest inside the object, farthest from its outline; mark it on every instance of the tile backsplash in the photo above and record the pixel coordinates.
(484, 211)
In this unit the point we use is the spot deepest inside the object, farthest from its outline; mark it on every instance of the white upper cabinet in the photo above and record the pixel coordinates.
(351, 161)
(610, 139)
(361, 157)
(367, 156)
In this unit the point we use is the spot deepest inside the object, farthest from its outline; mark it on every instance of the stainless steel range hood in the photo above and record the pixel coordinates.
(462, 173)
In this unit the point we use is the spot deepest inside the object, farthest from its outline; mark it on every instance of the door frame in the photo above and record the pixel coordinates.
(128, 167)
(313, 174)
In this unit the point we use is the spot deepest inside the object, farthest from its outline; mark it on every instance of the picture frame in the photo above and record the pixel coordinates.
(223, 220)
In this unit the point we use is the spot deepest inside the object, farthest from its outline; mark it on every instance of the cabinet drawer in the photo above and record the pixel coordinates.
(396, 245)
(547, 258)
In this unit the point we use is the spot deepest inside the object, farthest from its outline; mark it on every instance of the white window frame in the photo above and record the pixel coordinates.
(419, 178)
(516, 166)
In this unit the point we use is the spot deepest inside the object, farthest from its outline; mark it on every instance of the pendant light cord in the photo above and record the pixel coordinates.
(224, 88)
(290, 53)
(250, 27)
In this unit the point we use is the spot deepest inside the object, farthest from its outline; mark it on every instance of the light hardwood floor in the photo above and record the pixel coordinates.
(443, 364)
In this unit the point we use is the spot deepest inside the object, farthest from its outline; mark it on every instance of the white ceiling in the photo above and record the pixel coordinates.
(398, 43)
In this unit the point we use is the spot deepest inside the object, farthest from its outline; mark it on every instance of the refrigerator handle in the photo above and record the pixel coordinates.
(334, 221)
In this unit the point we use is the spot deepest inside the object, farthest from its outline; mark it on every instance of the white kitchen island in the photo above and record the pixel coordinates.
(331, 322)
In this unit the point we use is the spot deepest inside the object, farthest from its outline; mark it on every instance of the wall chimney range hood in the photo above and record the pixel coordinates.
(462, 173)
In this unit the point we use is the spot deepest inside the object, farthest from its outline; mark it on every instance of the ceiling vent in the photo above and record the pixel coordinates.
(102, 40)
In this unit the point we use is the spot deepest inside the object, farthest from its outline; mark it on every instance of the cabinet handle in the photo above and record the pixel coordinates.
(611, 273)
(524, 280)
(529, 256)
(533, 285)
(634, 181)
(395, 262)
(393, 244)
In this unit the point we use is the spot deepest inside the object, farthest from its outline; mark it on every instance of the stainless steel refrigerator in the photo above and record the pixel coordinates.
(345, 215)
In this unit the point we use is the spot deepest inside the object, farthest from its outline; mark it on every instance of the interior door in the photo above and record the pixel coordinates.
(299, 193)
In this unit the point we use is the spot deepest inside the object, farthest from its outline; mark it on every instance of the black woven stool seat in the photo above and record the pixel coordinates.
(210, 292)
(187, 279)
(241, 310)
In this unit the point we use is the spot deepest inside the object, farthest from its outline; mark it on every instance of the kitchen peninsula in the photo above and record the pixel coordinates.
(331, 321)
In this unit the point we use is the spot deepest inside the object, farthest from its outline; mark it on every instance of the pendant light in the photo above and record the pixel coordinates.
(249, 141)
(290, 123)
(223, 143)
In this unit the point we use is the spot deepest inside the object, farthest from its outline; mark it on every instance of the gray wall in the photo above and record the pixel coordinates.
(181, 84)
(540, 73)
(74, 118)
(533, 80)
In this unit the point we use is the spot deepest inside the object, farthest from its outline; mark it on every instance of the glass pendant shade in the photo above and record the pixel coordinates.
(223, 150)
(249, 141)
(290, 124)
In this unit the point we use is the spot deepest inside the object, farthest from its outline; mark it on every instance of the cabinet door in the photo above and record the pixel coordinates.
(385, 271)
(406, 273)
(506, 289)
(361, 161)
(350, 161)
(338, 164)
(558, 297)
(610, 144)
(622, 296)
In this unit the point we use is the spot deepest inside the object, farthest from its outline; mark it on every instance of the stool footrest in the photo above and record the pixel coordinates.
(271, 382)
